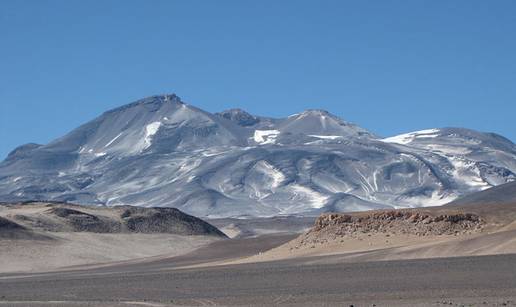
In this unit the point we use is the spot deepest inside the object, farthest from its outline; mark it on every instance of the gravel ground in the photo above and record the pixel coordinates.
(460, 281)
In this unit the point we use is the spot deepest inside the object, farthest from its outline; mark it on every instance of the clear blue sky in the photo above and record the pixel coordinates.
(389, 66)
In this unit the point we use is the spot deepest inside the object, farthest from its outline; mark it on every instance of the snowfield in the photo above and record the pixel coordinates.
(265, 136)
(409, 137)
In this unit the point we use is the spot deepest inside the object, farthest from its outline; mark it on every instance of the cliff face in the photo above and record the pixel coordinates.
(398, 222)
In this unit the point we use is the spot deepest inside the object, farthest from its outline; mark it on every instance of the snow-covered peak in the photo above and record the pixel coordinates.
(158, 123)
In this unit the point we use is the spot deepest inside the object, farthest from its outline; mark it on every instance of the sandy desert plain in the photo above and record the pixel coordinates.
(460, 254)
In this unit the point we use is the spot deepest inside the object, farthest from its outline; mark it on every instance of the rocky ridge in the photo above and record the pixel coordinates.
(334, 227)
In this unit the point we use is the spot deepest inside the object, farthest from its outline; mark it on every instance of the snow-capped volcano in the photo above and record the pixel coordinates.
(157, 124)
(160, 151)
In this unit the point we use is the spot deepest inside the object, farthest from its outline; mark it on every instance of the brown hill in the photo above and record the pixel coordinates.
(41, 236)
(481, 224)
(60, 217)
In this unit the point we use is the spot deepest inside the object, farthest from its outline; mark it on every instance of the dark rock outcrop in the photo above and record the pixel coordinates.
(13, 231)
(81, 221)
(166, 220)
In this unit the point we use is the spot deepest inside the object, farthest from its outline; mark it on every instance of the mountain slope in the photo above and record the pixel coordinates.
(160, 151)
(504, 194)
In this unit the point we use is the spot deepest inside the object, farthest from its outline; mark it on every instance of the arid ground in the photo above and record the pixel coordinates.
(452, 255)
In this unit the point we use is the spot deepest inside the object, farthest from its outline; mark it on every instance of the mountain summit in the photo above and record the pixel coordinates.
(160, 151)
(240, 117)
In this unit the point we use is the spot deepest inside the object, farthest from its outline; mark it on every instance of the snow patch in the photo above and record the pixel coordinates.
(150, 131)
(114, 139)
(466, 171)
(265, 136)
(448, 149)
(276, 177)
(214, 152)
(411, 136)
(303, 194)
(436, 199)
(326, 137)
